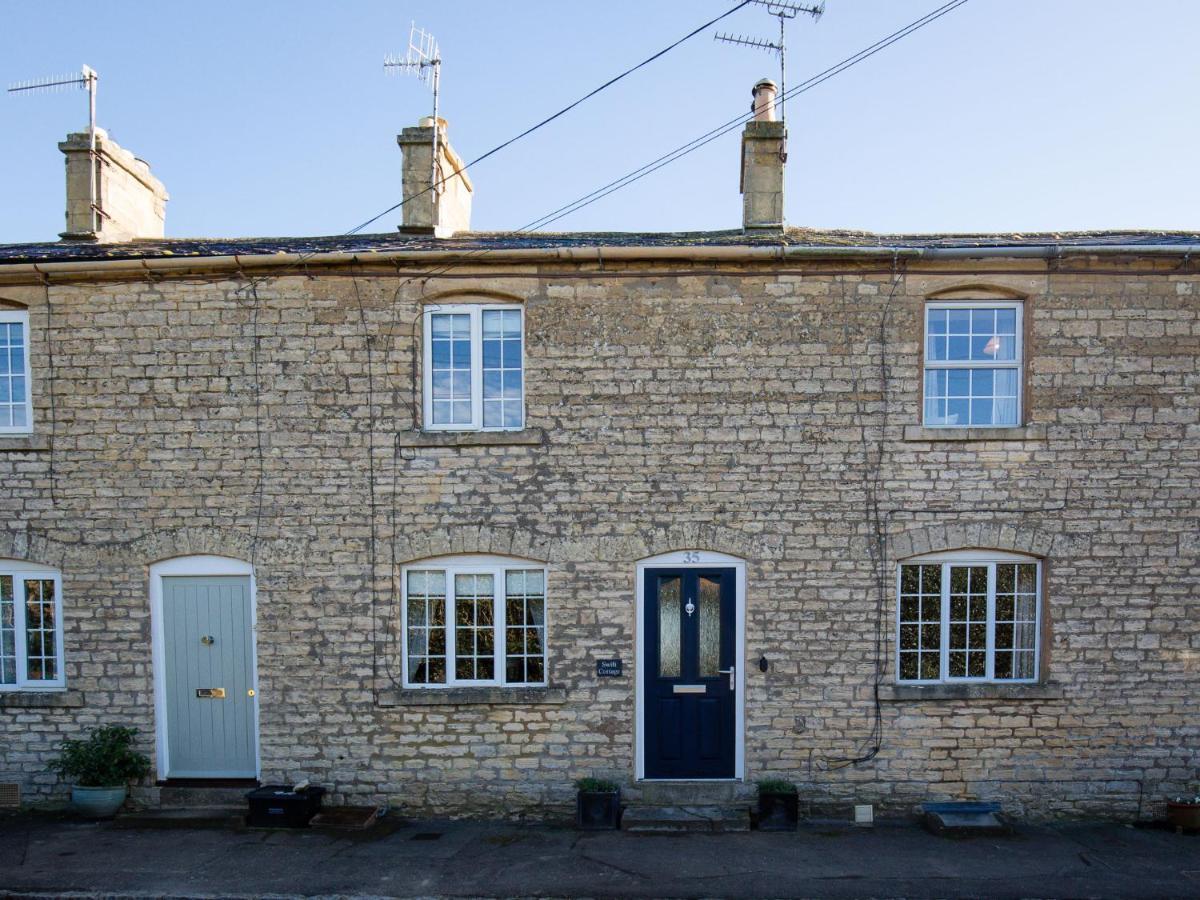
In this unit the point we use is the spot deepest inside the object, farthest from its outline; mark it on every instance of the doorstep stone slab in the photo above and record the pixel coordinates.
(963, 819)
(683, 819)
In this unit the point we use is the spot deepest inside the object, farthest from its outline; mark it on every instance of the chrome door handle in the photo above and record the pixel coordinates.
(732, 673)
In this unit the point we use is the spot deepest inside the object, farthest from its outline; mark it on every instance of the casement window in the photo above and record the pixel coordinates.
(972, 364)
(474, 620)
(31, 654)
(969, 616)
(474, 368)
(16, 407)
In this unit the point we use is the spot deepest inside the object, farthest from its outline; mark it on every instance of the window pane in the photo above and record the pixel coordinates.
(426, 632)
(8, 632)
(12, 376)
(920, 622)
(1016, 619)
(710, 627)
(474, 626)
(41, 640)
(502, 368)
(968, 621)
(668, 627)
(450, 347)
(525, 625)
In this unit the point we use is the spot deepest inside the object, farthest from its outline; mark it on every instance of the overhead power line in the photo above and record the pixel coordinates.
(546, 121)
(709, 136)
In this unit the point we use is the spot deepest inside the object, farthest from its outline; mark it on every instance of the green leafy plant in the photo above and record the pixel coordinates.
(106, 758)
(776, 786)
(595, 785)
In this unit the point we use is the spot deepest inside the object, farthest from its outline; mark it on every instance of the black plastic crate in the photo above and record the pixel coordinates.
(278, 806)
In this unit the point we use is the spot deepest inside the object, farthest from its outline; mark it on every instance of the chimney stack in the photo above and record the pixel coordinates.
(130, 203)
(764, 151)
(446, 209)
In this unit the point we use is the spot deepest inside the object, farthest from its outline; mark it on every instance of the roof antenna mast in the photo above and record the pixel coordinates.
(87, 79)
(783, 12)
(423, 59)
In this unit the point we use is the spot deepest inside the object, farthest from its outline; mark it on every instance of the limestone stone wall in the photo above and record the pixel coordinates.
(743, 411)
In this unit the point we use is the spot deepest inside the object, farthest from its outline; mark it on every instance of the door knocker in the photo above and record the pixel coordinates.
(690, 608)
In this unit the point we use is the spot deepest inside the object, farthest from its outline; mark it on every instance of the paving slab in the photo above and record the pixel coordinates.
(42, 856)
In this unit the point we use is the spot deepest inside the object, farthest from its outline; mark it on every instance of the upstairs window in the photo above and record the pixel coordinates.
(972, 364)
(16, 409)
(474, 368)
(31, 655)
(969, 616)
(474, 620)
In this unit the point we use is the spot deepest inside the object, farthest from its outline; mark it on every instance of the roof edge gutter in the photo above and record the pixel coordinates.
(40, 271)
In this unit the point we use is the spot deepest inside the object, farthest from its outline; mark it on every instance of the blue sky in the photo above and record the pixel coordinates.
(275, 118)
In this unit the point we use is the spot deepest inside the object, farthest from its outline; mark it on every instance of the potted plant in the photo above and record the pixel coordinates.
(1184, 812)
(778, 805)
(100, 768)
(597, 804)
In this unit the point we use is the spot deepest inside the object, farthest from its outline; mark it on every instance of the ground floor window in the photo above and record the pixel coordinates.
(969, 616)
(474, 620)
(31, 654)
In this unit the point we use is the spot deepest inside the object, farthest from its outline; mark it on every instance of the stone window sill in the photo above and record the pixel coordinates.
(901, 693)
(41, 700)
(480, 696)
(530, 437)
(24, 443)
(1016, 433)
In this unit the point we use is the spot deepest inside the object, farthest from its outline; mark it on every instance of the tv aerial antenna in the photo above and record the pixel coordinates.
(424, 60)
(783, 12)
(87, 79)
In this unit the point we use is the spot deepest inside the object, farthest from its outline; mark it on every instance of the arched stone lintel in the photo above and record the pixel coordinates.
(983, 535)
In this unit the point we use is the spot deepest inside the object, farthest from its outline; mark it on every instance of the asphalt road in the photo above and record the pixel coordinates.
(41, 856)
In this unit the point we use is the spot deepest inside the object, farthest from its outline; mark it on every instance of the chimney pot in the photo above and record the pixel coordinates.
(764, 100)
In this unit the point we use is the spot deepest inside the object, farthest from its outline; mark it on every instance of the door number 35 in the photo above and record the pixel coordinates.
(691, 556)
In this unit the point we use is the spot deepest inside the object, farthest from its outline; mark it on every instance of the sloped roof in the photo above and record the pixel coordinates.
(365, 244)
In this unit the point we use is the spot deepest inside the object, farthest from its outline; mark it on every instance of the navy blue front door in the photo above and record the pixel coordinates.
(689, 617)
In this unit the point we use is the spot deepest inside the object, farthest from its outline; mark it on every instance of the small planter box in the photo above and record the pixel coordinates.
(1184, 815)
(778, 812)
(278, 806)
(598, 810)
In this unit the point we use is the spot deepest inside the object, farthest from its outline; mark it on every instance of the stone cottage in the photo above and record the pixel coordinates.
(446, 519)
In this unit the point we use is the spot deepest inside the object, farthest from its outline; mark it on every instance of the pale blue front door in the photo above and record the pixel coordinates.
(209, 667)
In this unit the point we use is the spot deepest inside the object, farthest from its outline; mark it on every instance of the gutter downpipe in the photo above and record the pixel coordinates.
(40, 270)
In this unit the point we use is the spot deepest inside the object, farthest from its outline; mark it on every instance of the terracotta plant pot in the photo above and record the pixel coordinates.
(1184, 815)
(97, 802)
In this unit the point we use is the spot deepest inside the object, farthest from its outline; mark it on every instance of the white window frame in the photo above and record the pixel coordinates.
(972, 558)
(475, 311)
(19, 571)
(475, 564)
(21, 316)
(1017, 363)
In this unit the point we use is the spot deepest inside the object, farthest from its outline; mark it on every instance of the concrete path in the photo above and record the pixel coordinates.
(42, 856)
